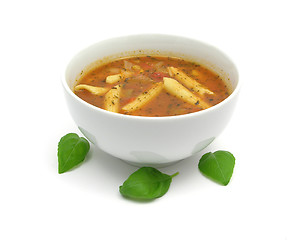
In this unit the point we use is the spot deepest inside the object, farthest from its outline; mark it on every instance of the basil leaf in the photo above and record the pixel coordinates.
(72, 150)
(146, 183)
(217, 166)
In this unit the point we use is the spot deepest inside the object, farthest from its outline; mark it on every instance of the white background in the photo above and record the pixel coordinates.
(266, 198)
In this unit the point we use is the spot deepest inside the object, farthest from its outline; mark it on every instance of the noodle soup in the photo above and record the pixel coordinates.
(152, 86)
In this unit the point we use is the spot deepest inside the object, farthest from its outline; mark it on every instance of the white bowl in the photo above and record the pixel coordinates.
(151, 141)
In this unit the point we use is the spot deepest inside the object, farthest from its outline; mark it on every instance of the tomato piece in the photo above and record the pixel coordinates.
(127, 101)
(145, 66)
(159, 75)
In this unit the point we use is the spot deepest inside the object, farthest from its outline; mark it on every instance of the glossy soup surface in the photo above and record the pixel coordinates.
(138, 75)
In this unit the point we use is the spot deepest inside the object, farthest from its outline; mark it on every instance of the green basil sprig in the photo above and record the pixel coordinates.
(217, 166)
(72, 150)
(146, 183)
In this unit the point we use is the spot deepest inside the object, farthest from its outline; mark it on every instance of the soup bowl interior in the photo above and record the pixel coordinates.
(150, 141)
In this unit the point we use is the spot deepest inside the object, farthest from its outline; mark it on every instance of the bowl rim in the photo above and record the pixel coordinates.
(146, 118)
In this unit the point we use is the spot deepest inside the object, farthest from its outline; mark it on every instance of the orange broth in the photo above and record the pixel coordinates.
(146, 72)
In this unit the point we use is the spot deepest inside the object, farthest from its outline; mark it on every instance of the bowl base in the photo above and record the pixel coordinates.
(154, 165)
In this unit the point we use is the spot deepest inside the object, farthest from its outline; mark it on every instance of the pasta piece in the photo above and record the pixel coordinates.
(195, 72)
(126, 74)
(92, 89)
(112, 99)
(113, 78)
(118, 77)
(144, 98)
(188, 81)
(178, 90)
(114, 70)
(137, 68)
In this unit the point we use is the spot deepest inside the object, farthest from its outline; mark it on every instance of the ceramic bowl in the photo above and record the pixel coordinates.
(150, 141)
